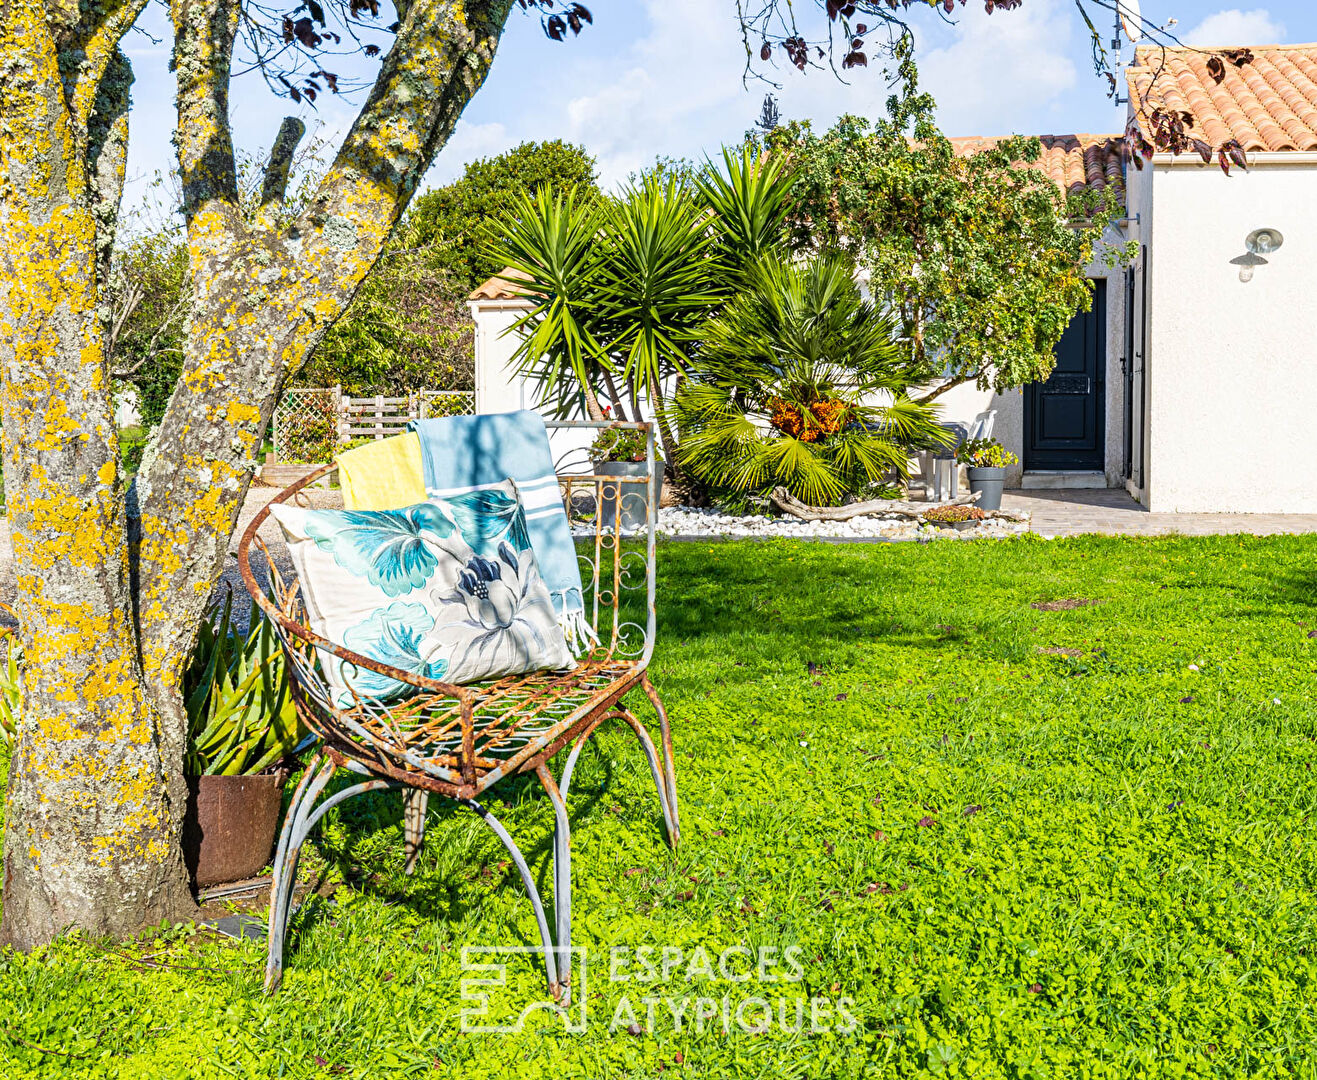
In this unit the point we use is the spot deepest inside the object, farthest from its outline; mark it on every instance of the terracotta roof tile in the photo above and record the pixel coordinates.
(503, 286)
(1072, 162)
(1269, 105)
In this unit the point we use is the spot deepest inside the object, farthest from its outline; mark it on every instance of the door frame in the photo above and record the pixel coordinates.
(1098, 313)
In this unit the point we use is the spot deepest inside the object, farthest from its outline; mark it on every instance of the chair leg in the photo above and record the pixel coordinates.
(562, 883)
(415, 802)
(303, 814)
(496, 827)
(284, 878)
(669, 758)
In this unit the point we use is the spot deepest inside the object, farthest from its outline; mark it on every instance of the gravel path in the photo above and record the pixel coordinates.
(690, 522)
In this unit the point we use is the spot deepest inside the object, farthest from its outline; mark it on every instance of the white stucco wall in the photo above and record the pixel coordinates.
(1232, 366)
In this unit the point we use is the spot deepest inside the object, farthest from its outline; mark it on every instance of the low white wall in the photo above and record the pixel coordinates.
(1232, 365)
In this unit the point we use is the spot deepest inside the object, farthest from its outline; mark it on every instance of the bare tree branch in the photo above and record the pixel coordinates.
(276, 172)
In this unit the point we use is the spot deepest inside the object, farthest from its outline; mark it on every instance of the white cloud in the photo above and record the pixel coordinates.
(681, 85)
(1001, 66)
(1237, 27)
(989, 74)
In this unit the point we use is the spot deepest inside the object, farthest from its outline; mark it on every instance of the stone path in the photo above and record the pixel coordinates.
(1114, 512)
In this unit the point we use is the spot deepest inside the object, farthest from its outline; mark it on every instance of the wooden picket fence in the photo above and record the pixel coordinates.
(312, 424)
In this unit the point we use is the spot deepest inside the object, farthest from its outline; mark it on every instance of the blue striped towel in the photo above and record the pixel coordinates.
(462, 454)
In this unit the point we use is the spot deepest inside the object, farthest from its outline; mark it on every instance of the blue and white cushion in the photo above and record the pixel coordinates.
(448, 589)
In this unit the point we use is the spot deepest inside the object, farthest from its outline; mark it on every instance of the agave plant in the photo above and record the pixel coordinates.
(801, 383)
(241, 718)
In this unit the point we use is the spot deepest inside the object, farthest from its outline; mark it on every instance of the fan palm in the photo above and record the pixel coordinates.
(801, 383)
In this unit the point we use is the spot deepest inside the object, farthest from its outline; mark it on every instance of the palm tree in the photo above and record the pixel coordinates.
(801, 383)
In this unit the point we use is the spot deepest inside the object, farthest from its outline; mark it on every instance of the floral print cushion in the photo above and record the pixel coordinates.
(447, 589)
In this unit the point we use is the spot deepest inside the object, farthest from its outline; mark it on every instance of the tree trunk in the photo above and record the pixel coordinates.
(92, 829)
(109, 601)
(619, 413)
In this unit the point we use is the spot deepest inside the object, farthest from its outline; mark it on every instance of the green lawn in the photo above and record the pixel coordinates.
(1016, 861)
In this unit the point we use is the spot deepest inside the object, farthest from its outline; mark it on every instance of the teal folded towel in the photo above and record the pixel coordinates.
(463, 454)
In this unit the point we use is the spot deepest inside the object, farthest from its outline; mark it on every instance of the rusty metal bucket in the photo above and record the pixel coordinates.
(229, 830)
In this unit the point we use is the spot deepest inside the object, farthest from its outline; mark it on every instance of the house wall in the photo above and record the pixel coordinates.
(964, 403)
(1232, 365)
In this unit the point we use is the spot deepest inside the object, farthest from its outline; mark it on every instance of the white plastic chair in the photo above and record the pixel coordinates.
(940, 463)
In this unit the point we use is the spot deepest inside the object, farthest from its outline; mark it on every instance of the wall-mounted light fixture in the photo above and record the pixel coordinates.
(1260, 243)
(1264, 241)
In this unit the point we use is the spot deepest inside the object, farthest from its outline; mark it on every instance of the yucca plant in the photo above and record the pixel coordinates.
(801, 383)
(241, 718)
(751, 197)
(622, 287)
(552, 246)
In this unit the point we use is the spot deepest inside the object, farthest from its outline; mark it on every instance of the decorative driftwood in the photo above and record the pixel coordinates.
(789, 504)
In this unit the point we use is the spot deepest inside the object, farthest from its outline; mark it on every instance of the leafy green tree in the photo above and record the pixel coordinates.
(791, 385)
(980, 259)
(407, 329)
(461, 220)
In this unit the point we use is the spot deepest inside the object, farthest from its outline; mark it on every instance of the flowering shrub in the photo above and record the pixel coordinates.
(985, 454)
(619, 444)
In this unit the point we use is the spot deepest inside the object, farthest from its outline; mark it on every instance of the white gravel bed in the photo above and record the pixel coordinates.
(692, 521)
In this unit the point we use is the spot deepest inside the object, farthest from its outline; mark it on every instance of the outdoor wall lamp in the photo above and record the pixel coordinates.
(1260, 243)
(1264, 241)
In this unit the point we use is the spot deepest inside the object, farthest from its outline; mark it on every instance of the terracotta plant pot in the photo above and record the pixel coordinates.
(229, 830)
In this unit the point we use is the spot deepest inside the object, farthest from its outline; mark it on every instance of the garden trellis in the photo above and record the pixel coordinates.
(312, 423)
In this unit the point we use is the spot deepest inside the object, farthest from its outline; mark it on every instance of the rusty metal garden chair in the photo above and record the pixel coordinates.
(460, 741)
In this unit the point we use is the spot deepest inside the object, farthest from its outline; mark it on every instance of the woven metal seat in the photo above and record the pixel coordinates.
(459, 741)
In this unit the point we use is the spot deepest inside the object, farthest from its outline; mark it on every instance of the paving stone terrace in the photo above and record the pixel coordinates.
(1114, 512)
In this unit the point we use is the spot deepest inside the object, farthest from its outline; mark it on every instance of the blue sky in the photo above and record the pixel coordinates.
(663, 77)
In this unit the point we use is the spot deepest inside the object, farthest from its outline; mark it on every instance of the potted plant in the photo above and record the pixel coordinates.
(242, 731)
(622, 452)
(959, 518)
(986, 461)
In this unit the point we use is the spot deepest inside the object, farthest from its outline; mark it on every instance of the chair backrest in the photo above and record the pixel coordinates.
(613, 510)
(981, 428)
(614, 513)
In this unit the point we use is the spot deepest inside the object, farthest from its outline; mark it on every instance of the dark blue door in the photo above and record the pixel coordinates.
(1064, 416)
